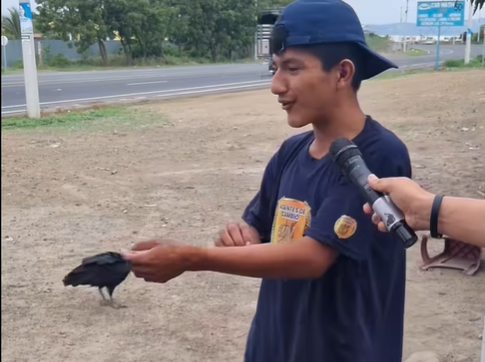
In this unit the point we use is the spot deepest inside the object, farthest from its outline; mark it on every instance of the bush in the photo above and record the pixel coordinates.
(460, 63)
(58, 61)
(454, 63)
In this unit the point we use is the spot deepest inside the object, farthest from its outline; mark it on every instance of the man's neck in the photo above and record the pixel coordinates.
(347, 124)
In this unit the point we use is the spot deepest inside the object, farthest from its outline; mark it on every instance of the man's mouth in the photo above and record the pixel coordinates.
(286, 105)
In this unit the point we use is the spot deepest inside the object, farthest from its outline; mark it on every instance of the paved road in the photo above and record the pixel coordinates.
(69, 89)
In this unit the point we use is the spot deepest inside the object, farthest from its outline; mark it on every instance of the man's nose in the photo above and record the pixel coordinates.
(279, 85)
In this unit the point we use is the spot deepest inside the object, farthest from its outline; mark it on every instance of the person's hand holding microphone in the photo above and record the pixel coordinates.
(459, 218)
(408, 196)
(406, 206)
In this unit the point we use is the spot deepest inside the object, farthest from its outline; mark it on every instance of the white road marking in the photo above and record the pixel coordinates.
(164, 93)
(144, 83)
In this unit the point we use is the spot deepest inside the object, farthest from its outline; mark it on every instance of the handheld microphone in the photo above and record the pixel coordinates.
(349, 159)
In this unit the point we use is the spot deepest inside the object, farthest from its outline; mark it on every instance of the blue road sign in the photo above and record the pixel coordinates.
(441, 13)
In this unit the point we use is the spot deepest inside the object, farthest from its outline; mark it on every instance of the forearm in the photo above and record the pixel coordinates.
(301, 259)
(463, 219)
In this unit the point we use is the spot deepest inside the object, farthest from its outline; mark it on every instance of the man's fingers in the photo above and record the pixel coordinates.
(142, 274)
(378, 184)
(368, 209)
(225, 238)
(135, 257)
(376, 219)
(247, 233)
(235, 233)
(382, 227)
(145, 245)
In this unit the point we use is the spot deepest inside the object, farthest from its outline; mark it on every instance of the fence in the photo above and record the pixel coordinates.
(46, 47)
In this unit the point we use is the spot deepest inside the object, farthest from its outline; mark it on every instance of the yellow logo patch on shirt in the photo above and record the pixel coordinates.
(345, 227)
(292, 220)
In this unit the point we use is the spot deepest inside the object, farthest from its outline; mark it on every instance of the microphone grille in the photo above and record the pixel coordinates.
(342, 149)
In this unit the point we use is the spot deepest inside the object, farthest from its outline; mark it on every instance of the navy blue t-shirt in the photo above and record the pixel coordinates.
(354, 312)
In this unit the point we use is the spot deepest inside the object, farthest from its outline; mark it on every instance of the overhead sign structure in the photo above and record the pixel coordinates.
(438, 14)
(441, 13)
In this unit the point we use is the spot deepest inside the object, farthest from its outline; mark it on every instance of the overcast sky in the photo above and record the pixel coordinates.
(369, 11)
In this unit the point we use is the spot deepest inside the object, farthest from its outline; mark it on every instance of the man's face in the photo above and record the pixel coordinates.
(307, 93)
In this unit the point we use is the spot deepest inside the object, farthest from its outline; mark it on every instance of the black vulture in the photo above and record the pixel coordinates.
(105, 270)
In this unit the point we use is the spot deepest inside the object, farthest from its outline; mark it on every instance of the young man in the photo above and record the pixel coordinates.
(332, 285)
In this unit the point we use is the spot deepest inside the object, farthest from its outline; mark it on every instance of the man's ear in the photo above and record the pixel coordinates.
(345, 73)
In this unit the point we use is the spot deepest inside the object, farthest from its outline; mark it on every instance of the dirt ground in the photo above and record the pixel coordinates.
(69, 193)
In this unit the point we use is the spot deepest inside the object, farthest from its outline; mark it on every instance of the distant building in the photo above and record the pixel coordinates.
(425, 39)
(266, 22)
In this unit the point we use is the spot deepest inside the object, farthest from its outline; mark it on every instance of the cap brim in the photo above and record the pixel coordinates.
(375, 63)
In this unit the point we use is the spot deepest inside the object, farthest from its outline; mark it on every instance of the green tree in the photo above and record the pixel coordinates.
(477, 5)
(141, 25)
(215, 28)
(81, 20)
(11, 24)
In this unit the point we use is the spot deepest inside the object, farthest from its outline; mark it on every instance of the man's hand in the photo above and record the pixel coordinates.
(145, 245)
(409, 197)
(237, 234)
(158, 261)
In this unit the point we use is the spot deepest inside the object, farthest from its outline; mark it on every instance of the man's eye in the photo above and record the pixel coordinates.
(293, 69)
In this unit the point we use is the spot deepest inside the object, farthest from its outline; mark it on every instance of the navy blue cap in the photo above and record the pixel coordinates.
(310, 22)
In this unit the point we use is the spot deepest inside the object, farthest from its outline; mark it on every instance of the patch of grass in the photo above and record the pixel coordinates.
(460, 63)
(60, 63)
(416, 52)
(448, 66)
(100, 119)
(377, 43)
(61, 119)
(402, 73)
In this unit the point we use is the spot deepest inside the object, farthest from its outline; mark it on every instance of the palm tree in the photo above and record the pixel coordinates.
(478, 4)
(11, 24)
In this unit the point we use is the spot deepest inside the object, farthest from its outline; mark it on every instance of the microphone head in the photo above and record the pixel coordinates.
(342, 149)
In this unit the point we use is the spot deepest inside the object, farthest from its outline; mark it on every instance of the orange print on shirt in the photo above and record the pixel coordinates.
(291, 221)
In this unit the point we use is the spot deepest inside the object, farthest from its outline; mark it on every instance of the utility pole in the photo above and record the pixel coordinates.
(479, 26)
(469, 33)
(28, 57)
(405, 25)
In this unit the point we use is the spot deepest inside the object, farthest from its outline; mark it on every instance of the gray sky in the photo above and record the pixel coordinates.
(369, 11)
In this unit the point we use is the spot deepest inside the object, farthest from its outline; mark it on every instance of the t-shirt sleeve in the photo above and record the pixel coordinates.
(340, 221)
(259, 212)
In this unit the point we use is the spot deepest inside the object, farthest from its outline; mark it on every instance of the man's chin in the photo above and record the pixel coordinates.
(296, 122)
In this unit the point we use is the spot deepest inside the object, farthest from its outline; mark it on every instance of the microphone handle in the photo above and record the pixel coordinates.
(383, 206)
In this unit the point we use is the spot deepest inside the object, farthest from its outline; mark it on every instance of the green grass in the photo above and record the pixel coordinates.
(460, 63)
(62, 64)
(448, 66)
(402, 73)
(416, 52)
(377, 43)
(114, 118)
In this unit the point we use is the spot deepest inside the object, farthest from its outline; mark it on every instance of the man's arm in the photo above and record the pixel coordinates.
(463, 219)
(305, 258)
(459, 218)
(339, 227)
